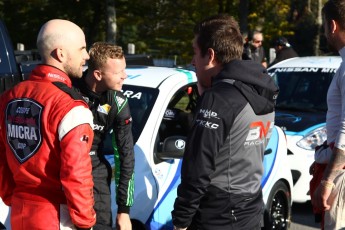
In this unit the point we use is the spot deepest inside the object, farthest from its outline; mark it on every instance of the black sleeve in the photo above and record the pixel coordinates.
(123, 155)
(205, 138)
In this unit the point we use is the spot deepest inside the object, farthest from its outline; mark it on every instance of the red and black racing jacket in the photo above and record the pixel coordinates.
(45, 139)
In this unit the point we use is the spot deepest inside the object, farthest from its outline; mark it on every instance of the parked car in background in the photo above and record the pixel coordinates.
(301, 112)
(14, 66)
(162, 103)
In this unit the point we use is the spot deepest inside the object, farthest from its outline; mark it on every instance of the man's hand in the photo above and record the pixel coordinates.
(322, 194)
(123, 222)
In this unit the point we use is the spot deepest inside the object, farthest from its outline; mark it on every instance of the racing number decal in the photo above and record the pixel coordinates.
(23, 127)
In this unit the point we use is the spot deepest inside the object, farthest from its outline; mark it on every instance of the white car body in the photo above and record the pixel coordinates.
(303, 123)
(157, 177)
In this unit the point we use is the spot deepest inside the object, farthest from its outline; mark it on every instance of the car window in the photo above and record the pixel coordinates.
(141, 101)
(178, 117)
(305, 91)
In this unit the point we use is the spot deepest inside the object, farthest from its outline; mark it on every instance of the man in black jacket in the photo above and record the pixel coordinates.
(101, 89)
(283, 50)
(222, 165)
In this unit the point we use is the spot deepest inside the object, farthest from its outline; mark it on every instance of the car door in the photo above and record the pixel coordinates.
(168, 152)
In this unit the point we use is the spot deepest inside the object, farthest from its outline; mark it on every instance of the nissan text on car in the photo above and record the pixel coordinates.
(301, 112)
(162, 102)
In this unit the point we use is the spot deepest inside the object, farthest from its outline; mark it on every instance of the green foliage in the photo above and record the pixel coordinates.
(164, 28)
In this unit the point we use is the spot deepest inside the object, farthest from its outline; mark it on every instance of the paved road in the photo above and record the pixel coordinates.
(303, 218)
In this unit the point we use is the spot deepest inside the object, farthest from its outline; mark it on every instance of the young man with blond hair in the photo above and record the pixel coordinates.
(101, 88)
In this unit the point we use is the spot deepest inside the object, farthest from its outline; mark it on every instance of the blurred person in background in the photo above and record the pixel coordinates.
(253, 49)
(283, 50)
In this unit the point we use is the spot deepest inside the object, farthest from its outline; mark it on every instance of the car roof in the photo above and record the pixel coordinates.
(149, 76)
(310, 62)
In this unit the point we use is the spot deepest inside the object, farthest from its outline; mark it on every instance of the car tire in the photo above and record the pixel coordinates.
(137, 225)
(277, 212)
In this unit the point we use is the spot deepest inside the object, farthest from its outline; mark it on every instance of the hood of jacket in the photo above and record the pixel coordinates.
(253, 81)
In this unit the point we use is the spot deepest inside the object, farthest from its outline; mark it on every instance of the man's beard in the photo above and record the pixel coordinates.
(72, 73)
(331, 47)
(330, 44)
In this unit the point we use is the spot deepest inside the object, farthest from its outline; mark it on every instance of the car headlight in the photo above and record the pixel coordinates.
(313, 139)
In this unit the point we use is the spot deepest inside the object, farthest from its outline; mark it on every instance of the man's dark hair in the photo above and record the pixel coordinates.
(222, 34)
(281, 41)
(334, 10)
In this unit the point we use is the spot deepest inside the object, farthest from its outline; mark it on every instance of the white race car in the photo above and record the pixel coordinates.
(301, 112)
(162, 101)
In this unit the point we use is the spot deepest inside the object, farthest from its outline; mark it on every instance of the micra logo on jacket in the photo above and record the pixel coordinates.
(258, 133)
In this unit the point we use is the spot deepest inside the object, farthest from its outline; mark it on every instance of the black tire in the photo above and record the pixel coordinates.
(278, 208)
(137, 225)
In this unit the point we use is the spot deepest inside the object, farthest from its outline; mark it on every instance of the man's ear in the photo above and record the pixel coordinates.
(97, 75)
(211, 56)
(58, 54)
(334, 26)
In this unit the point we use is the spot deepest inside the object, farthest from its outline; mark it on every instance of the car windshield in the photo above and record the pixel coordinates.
(141, 101)
(302, 89)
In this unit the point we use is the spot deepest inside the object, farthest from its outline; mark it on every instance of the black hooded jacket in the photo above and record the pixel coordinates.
(253, 82)
(222, 165)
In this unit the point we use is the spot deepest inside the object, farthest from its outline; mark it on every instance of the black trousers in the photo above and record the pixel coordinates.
(101, 173)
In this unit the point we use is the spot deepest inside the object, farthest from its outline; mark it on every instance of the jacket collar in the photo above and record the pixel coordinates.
(50, 73)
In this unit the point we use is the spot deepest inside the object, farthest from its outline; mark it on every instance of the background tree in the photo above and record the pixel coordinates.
(110, 17)
(163, 28)
(243, 16)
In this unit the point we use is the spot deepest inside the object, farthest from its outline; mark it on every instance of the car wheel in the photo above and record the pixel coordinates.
(137, 225)
(278, 208)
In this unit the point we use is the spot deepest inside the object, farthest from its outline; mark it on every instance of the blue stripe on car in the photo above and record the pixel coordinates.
(188, 73)
(159, 218)
(270, 158)
(306, 131)
(133, 76)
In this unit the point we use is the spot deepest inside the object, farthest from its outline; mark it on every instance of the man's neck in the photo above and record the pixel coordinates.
(90, 82)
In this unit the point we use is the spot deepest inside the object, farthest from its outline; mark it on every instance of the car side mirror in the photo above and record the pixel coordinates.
(172, 148)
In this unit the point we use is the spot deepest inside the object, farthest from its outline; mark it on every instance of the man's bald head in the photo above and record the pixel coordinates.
(55, 34)
(61, 43)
